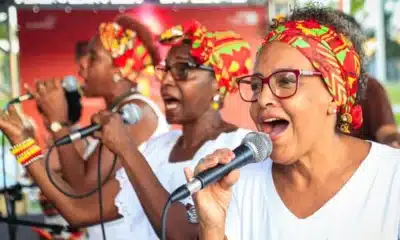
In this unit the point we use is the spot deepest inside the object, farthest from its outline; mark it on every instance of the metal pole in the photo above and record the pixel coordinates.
(380, 55)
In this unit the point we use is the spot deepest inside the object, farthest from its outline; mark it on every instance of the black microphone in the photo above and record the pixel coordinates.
(69, 83)
(130, 114)
(255, 147)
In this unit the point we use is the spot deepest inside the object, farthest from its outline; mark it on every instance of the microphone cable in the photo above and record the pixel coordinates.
(99, 186)
(164, 218)
(76, 196)
(89, 193)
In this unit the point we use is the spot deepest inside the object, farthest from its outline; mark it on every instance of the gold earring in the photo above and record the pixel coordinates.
(216, 102)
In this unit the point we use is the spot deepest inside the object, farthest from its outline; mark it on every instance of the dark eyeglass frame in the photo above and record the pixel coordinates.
(266, 80)
(190, 65)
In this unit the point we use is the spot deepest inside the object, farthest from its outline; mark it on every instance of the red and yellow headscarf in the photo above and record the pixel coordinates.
(334, 56)
(129, 53)
(226, 52)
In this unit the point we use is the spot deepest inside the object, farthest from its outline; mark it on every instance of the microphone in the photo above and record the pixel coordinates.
(130, 114)
(255, 147)
(69, 83)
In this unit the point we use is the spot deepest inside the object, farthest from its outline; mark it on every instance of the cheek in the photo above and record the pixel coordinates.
(254, 109)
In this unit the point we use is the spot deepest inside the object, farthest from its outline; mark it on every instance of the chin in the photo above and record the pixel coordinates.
(282, 157)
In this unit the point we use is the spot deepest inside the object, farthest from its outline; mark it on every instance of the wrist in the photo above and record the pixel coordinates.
(211, 233)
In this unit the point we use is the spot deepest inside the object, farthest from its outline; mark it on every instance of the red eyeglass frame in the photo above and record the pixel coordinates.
(266, 80)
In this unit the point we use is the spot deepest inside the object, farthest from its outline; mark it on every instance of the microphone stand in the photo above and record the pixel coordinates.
(13, 194)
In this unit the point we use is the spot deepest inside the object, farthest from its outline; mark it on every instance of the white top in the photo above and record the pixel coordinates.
(366, 208)
(169, 174)
(118, 229)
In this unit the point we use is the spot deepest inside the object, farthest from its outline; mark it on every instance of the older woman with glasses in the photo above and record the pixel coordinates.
(321, 183)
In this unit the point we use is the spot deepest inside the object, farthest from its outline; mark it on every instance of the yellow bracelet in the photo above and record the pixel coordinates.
(20, 147)
(33, 151)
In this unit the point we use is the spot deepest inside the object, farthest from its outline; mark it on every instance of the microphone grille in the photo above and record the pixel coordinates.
(260, 143)
(131, 113)
(70, 84)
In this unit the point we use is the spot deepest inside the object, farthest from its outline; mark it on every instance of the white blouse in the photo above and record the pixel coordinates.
(118, 229)
(367, 207)
(170, 175)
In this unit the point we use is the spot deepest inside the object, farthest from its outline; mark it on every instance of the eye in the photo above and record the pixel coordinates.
(285, 80)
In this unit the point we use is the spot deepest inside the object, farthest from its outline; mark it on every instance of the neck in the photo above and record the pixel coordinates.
(318, 163)
(119, 88)
(204, 128)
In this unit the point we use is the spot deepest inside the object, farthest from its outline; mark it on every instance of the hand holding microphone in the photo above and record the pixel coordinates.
(50, 98)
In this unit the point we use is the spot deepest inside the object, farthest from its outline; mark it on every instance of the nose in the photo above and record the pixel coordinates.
(266, 97)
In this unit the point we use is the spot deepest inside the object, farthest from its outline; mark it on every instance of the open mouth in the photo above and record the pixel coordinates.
(274, 126)
(171, 103)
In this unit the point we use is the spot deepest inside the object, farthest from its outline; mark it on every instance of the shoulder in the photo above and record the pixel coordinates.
(164, 139)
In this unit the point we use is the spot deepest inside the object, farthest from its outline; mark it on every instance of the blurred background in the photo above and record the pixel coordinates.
(38, 40)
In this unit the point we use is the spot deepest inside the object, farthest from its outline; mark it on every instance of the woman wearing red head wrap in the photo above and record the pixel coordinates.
(321, 183)
(117, 56)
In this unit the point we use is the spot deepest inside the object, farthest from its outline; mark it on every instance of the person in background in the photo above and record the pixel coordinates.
(319, 183)
(51, 215)
(379, 121)
(117, 56)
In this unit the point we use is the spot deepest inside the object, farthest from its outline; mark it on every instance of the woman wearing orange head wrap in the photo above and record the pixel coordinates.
(321, 183)
(117, 56)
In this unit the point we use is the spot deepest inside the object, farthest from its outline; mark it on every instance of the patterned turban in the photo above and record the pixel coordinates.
(128, 52)
(334, 56)
(226, 52)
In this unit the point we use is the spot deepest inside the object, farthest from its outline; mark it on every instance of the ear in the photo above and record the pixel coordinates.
(214, 84)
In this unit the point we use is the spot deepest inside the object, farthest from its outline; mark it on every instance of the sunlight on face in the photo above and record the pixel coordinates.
(297, 123)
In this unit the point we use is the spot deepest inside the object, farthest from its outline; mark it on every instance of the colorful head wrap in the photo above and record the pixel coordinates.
(334, 56)
(127, 50)
(226, 52)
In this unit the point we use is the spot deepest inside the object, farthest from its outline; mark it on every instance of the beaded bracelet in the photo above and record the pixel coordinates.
(27, 152)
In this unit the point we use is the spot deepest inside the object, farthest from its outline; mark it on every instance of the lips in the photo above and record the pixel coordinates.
(274, 126)
(170, 102)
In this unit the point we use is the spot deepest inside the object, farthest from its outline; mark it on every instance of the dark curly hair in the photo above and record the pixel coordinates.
(343, 24)
(144, 34)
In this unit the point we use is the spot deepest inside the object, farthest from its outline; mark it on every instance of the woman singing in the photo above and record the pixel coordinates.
(321, 183)
(117, 55)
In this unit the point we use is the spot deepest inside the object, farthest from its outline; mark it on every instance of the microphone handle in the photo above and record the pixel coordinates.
(21, 98)
(243, 156)
(81, 133)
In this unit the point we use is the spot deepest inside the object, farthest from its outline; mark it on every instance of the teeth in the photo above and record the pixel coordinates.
(170, 106)
(271, 120)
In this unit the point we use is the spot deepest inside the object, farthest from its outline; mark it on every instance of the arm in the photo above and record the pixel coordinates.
(149, 190)
(82, 175)
(76, 211)
(381, 121)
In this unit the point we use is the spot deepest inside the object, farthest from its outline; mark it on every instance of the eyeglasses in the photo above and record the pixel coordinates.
(283, 83)
(180, 71)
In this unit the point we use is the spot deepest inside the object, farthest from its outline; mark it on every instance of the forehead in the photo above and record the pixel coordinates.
(180, 53)
(95, 46)
(277, 55)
